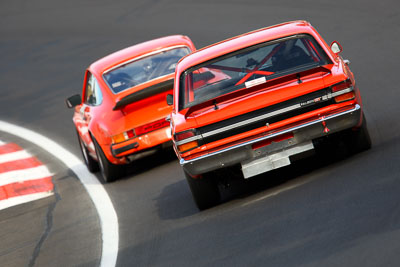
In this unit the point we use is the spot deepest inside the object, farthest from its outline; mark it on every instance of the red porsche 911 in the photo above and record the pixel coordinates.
(121, 114)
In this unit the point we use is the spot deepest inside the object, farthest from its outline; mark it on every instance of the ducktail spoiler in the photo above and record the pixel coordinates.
(144, 93)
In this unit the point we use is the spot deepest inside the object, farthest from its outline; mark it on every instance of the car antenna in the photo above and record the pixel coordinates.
(298, 78)
(215, 104)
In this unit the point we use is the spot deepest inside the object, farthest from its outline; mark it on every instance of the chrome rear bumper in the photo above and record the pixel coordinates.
(275, 155)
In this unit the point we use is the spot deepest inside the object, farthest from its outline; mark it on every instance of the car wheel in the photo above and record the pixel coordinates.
(91, 163)
(359, 140)
(110, 172)
(204, 190)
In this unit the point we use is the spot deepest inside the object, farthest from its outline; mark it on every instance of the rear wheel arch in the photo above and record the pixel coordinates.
(90, 162)
(109, 171)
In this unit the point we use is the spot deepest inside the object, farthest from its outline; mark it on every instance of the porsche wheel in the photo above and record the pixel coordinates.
(204, 190)
(110, 172)
(91, 163)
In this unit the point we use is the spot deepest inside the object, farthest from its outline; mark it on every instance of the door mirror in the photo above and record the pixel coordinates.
(336, 47)
(73, 101)
(170, 99)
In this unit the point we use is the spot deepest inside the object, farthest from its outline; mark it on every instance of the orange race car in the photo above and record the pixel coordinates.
(122, 112)
(259, 101)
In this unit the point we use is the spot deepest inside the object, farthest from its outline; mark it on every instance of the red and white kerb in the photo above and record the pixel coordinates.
(23, 178)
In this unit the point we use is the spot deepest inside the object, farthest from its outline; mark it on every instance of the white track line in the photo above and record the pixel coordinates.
(2, 143)
(108, 216)
(6, 203)
(17, 155)
(24, 175)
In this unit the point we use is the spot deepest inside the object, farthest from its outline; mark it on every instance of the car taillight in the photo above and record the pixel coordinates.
(188, 146)
(118, 138)
(184, 140)
(184, 135)
(152, 126)
(130, 134)
(343, 91)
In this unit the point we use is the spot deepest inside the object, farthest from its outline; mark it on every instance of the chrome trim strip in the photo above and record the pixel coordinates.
(190, 139)
(255, 119)
(342, 92)
(320, 120)
(262, 117)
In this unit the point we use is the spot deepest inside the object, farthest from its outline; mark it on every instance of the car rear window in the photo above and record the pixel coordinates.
(144, 69)
(249, 67)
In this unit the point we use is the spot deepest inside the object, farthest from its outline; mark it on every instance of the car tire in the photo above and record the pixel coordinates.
(110, 172)
(91, 163)
(358, 140)
(204, 190)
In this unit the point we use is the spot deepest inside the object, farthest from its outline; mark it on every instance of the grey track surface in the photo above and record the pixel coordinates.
(53, 230)
(337, 211)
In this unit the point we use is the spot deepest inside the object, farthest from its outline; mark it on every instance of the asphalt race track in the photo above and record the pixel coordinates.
(335, 210)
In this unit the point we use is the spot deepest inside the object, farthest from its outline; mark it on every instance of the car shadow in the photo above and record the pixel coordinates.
(147, 163)
(175, 200)
(326, 154)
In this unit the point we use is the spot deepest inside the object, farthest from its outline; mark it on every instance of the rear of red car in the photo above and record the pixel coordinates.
(256, 102)
(122, 115)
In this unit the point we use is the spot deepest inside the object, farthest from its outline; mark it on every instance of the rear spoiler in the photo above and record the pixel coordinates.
(144, 93)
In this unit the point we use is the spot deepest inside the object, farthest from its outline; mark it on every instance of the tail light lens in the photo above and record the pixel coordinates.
(188, 146)
(118, 138)
(343, 86)
(186, 135)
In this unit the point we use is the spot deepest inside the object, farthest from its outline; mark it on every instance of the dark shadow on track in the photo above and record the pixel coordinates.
(147, 163)
(171, 205)
(326, 153)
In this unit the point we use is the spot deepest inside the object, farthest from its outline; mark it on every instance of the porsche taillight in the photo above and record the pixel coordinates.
(118, 138)
(343, 91)
(186, 140)
(152, 126)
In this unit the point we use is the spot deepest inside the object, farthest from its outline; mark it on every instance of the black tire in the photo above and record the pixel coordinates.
(91, 163)
(204, 190)
(110, 172)
(358, 140)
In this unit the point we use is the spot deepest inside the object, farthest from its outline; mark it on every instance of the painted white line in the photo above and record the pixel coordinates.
(2, 143)
(24, 175)
(17, 155)
(6, 203)
(101, 200)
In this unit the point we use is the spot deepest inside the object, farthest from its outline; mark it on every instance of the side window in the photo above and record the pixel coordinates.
(93, 94)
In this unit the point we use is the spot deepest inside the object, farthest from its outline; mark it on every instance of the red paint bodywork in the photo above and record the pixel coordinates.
(261, 97)
(101, 122)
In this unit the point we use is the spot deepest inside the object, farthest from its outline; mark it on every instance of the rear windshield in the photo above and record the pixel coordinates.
(144, 69)
(249, 67)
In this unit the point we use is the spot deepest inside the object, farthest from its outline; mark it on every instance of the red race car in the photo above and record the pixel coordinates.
(121, 113)
(259, 101)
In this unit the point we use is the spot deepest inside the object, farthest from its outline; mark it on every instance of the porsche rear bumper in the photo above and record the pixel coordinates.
(155, 140)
